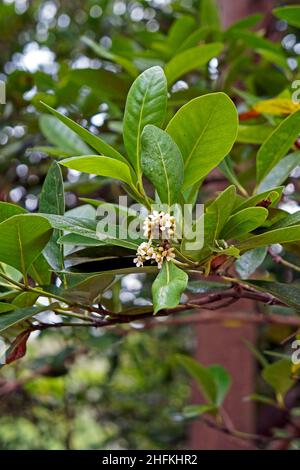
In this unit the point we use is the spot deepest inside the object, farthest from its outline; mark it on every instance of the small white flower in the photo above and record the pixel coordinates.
(158, 224)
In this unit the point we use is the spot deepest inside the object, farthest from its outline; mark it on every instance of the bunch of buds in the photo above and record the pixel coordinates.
(159, 225)
(156, 253)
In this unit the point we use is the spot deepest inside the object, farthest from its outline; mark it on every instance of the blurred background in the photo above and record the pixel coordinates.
(120, 388)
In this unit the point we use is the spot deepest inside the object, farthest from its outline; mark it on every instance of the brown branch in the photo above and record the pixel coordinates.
(211, 302)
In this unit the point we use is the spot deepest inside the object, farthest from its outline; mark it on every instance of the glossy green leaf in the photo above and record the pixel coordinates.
(288, 221)
(222, 380)
(89, 289)
(280, 172)
(191, 59)
(8, 210)
(209, 13)
(290, 14)
(281, 235)
(287, 293)
(204, 130)
(12, 318)
(92, 140)
(253, 40)
(271, 197)
(100, 165)
(52, 201)
(278, 375)
(201, 374)
(248, 263)
(88, 228)
(128, 65)
(168, 286)
(78, 240)
(255, 134)
(146, 104)
(162, 163)
(277, 145)
(243, 222)
(214, 219)
(194, 38)
(6, 307)
(40, 270)
(247, 22)
(58, 134)
(25, 237)
(193, 411)
(226, 166)
(181, 28)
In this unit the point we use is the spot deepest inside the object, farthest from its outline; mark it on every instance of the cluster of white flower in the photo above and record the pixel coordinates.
(159, 226)
(156, 253)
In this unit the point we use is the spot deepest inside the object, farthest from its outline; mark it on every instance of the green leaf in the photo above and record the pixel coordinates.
(243, 222)
(271, 197)
(222, 380)
(281, 235)
(78, 240)
(248, 263)
(162, 163)
(195, 38)
(40, 271)
(290, 14)
(277, 145)
(193, 411)
(253, 40)
(92, 140)
(214, 219)
(8, 210)
(255, 134)
(52, 151)
(209, 14)
(127, 65)
(204, 130)
(222, 207)
(25, 299)
(168, 286)
(24, 236)
(288, 221)
(100, 165)
(89, 289)
(191, 59)
(280, 172)
(278, 375)
(287, 293)
(5, 307)
(247, 22)
(226, 166)
(146, 104)
(87, 228)
(58, 134)
(202, 375)
(181, 28)
(10, 319)
(52, 201)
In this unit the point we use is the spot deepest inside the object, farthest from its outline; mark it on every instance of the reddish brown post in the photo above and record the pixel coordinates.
(224, 344)
(233, 10)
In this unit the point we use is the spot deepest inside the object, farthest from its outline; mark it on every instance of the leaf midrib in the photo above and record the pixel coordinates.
(165, 171)
(201, 135)
(22, 260)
